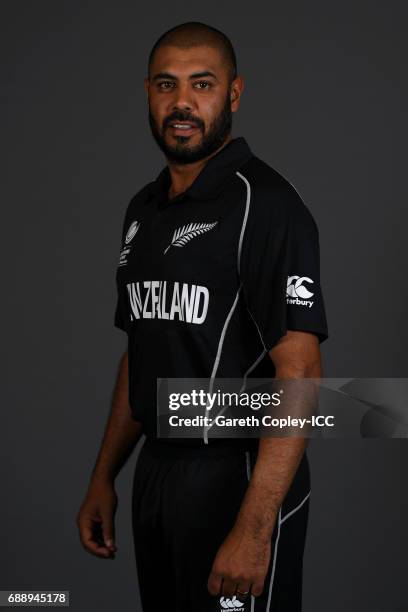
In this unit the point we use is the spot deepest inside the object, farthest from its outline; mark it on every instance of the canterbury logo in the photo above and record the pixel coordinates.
(231, 604)
(184, 234)
(132, 231)
(297, 293)
(296, 288)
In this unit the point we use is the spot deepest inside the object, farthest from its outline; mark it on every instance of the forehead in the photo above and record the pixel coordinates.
(181, 62)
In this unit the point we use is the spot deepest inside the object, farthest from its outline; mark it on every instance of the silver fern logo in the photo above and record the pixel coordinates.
(184, 234)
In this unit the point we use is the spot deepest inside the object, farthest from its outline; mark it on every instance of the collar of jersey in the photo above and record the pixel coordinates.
(209, 183)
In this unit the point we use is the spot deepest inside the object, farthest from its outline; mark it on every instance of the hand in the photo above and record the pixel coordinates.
(95, 520)
(241, 564)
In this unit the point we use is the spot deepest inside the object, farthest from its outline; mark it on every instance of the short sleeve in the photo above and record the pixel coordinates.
(305, 309)
(280, 268)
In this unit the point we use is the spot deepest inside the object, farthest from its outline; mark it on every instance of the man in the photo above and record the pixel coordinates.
(218, 277)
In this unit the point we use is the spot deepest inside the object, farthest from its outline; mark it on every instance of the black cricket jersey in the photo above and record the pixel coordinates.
(210, 280)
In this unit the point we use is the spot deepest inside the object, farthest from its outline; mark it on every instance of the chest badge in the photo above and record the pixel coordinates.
(134, 226)
(130, 234)
(184, 234)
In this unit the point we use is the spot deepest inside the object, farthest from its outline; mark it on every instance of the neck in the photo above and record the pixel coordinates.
(183, 175)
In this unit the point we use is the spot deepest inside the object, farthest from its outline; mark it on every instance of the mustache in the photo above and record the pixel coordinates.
(177, 116)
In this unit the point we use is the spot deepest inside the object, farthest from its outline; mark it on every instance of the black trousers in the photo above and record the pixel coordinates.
(185, 501)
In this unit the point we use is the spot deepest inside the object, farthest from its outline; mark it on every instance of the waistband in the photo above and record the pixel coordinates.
(196, 448)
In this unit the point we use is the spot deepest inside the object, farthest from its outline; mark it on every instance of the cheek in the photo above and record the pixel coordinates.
(157, 109)
(212, 113)
(208, 111)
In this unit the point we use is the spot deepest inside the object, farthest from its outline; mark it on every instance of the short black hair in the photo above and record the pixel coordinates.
(195, 34)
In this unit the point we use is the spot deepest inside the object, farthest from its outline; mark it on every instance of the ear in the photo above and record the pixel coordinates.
(237, 87)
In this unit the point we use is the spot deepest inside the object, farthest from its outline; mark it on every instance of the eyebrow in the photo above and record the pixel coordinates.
(196, 75)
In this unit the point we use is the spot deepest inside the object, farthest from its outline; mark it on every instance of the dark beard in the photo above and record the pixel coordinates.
(181, 153)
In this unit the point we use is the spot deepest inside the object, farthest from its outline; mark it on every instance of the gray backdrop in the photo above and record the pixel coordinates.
(323, 104)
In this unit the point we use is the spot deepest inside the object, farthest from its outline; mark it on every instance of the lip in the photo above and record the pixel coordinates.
(183, 131)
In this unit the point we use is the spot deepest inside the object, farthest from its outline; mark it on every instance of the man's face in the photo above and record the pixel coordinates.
(190, 102)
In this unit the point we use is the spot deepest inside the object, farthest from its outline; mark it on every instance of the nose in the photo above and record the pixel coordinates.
(183, 98)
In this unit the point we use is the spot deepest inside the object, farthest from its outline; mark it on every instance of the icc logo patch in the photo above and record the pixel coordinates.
(131, 231)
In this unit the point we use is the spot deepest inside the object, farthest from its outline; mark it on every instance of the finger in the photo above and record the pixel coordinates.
(243, 590)
(108, 532)
(228, 587)
(257, 588)
(214, 584)
(89, 532)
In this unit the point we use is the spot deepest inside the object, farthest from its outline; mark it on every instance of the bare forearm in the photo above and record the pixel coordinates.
(121, 432)
(276, 465)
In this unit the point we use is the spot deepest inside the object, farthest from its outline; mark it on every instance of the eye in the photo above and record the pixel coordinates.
(163, 83)
(207, 84)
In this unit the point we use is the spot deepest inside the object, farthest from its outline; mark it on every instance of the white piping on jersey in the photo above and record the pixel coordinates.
(292, 185)
(280, 519)
(297, 508)
(241, 238)
(220, 343)
(259, 331)
(247, 204)
(224, 329)
(258, 359)
(218, 357)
